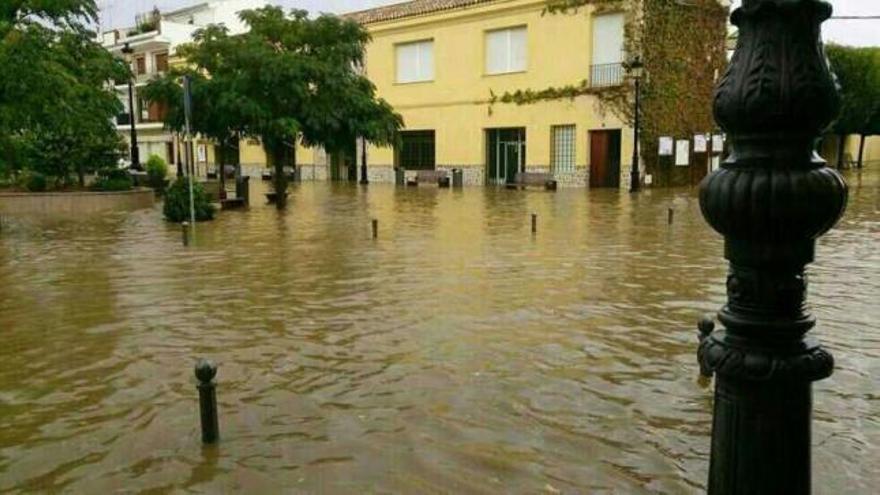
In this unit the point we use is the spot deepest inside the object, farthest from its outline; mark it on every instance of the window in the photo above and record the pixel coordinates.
(506, 50)
(144, 110)
(608, 50)
(416, 151)
(415, 61)
(162, 62)
(140, 66)
(562, 148)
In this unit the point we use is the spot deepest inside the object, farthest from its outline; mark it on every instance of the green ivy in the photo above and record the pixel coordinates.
(682, 47)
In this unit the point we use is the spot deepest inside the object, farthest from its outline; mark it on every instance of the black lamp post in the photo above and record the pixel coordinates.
(364, 179)
(771, 198)
(635, 68)
(127, 51)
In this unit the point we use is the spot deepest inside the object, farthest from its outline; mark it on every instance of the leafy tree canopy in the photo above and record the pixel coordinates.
(288, 78)
(55, 108)
(858, 73)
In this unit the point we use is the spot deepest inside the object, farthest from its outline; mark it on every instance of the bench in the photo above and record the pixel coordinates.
(439, 177)
(539, 179)
(289, 172)
(232, 203)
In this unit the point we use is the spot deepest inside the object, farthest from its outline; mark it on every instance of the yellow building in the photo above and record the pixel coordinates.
(870, 154)
(438, 63)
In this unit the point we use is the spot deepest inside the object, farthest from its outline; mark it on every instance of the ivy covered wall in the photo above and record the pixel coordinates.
(682, 46)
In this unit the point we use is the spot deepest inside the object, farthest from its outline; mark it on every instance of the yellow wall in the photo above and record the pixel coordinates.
(851, 148)
(455, 103)
(872, 148)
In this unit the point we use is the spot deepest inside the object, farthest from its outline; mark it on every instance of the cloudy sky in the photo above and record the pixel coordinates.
(116, 13)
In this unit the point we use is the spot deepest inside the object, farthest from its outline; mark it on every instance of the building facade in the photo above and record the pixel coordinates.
(445, 64)
(154, 41)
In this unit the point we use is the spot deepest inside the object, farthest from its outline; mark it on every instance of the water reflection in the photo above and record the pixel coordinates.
(455, 353)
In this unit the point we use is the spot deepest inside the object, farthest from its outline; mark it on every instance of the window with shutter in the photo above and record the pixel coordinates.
(415, 61)
(506, 50)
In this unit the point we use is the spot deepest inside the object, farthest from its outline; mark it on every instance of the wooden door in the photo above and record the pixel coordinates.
(605, 158)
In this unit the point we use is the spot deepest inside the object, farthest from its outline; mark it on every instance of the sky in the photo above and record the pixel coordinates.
(120, 13)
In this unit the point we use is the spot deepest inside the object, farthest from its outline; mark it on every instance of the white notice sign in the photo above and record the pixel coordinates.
(665, 146)
(682, 152)
(700, 143)
(717, 143)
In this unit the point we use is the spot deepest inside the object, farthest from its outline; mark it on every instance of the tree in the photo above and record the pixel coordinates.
(288, 79)
(55, 107)
(858, 73)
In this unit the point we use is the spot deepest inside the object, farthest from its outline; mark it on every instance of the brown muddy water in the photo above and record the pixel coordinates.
(455, 354)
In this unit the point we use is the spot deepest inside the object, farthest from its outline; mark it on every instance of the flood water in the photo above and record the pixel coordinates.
(457, 353)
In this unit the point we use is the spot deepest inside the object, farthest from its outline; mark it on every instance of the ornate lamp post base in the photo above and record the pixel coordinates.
(771, 198)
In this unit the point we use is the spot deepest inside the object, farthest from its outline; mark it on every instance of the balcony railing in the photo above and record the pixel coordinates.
(602, 75)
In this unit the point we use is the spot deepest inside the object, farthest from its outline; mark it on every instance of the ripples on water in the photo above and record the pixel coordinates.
(455, 354)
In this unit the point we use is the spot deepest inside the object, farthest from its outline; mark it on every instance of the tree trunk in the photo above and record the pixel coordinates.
(81, 174)
(293, 157)
(861, 150)
(841, 143)
(220, 154)
(276, 148)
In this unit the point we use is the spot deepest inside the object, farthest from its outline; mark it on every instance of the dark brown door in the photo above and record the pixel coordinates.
(605, 158)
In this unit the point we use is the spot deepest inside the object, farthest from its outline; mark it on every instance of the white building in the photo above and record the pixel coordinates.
(154, 41)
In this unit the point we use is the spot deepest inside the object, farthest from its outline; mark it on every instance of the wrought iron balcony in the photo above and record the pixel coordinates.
(603, 75)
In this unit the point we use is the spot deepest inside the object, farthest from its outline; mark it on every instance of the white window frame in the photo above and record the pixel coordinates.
(424, 71)
(509, 64)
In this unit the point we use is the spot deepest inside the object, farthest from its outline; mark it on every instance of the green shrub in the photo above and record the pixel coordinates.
(176, 208)
(113, 179)
(157, 171)
(34, 181)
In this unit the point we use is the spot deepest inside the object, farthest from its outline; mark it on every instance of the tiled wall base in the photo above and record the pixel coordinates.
(473, 175)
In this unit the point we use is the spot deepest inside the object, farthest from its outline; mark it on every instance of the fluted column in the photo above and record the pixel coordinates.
(771, 198)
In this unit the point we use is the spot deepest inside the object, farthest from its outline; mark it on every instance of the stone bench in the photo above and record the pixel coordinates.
(439, 177)
(537, 179)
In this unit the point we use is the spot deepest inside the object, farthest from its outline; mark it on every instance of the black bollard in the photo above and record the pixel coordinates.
(205, 373)
(375, 228)
(534, 223)
(670, 216)
(184, 228)
(771, 199)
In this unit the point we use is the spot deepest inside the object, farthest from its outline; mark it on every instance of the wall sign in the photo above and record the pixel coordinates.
(682, 153)
(700, 143)
(665, 146)
(717, 143)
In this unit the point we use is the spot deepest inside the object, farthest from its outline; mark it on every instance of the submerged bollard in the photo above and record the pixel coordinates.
(670, 215)
(205, 373)
(534, 223)
(375, 228)
(184, 228)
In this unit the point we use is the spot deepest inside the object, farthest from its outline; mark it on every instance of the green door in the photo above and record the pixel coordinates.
(505, 154)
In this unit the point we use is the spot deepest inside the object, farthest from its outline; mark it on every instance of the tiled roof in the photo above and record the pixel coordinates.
(409, 9)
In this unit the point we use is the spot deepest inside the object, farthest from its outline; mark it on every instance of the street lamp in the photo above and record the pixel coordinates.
(635, 68)
(364, 179)
(127, 52)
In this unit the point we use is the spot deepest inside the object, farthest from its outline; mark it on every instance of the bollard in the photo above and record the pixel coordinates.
(205, 373)
(184, 228)
(534, 223)
(670, 216)
(375, 228)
